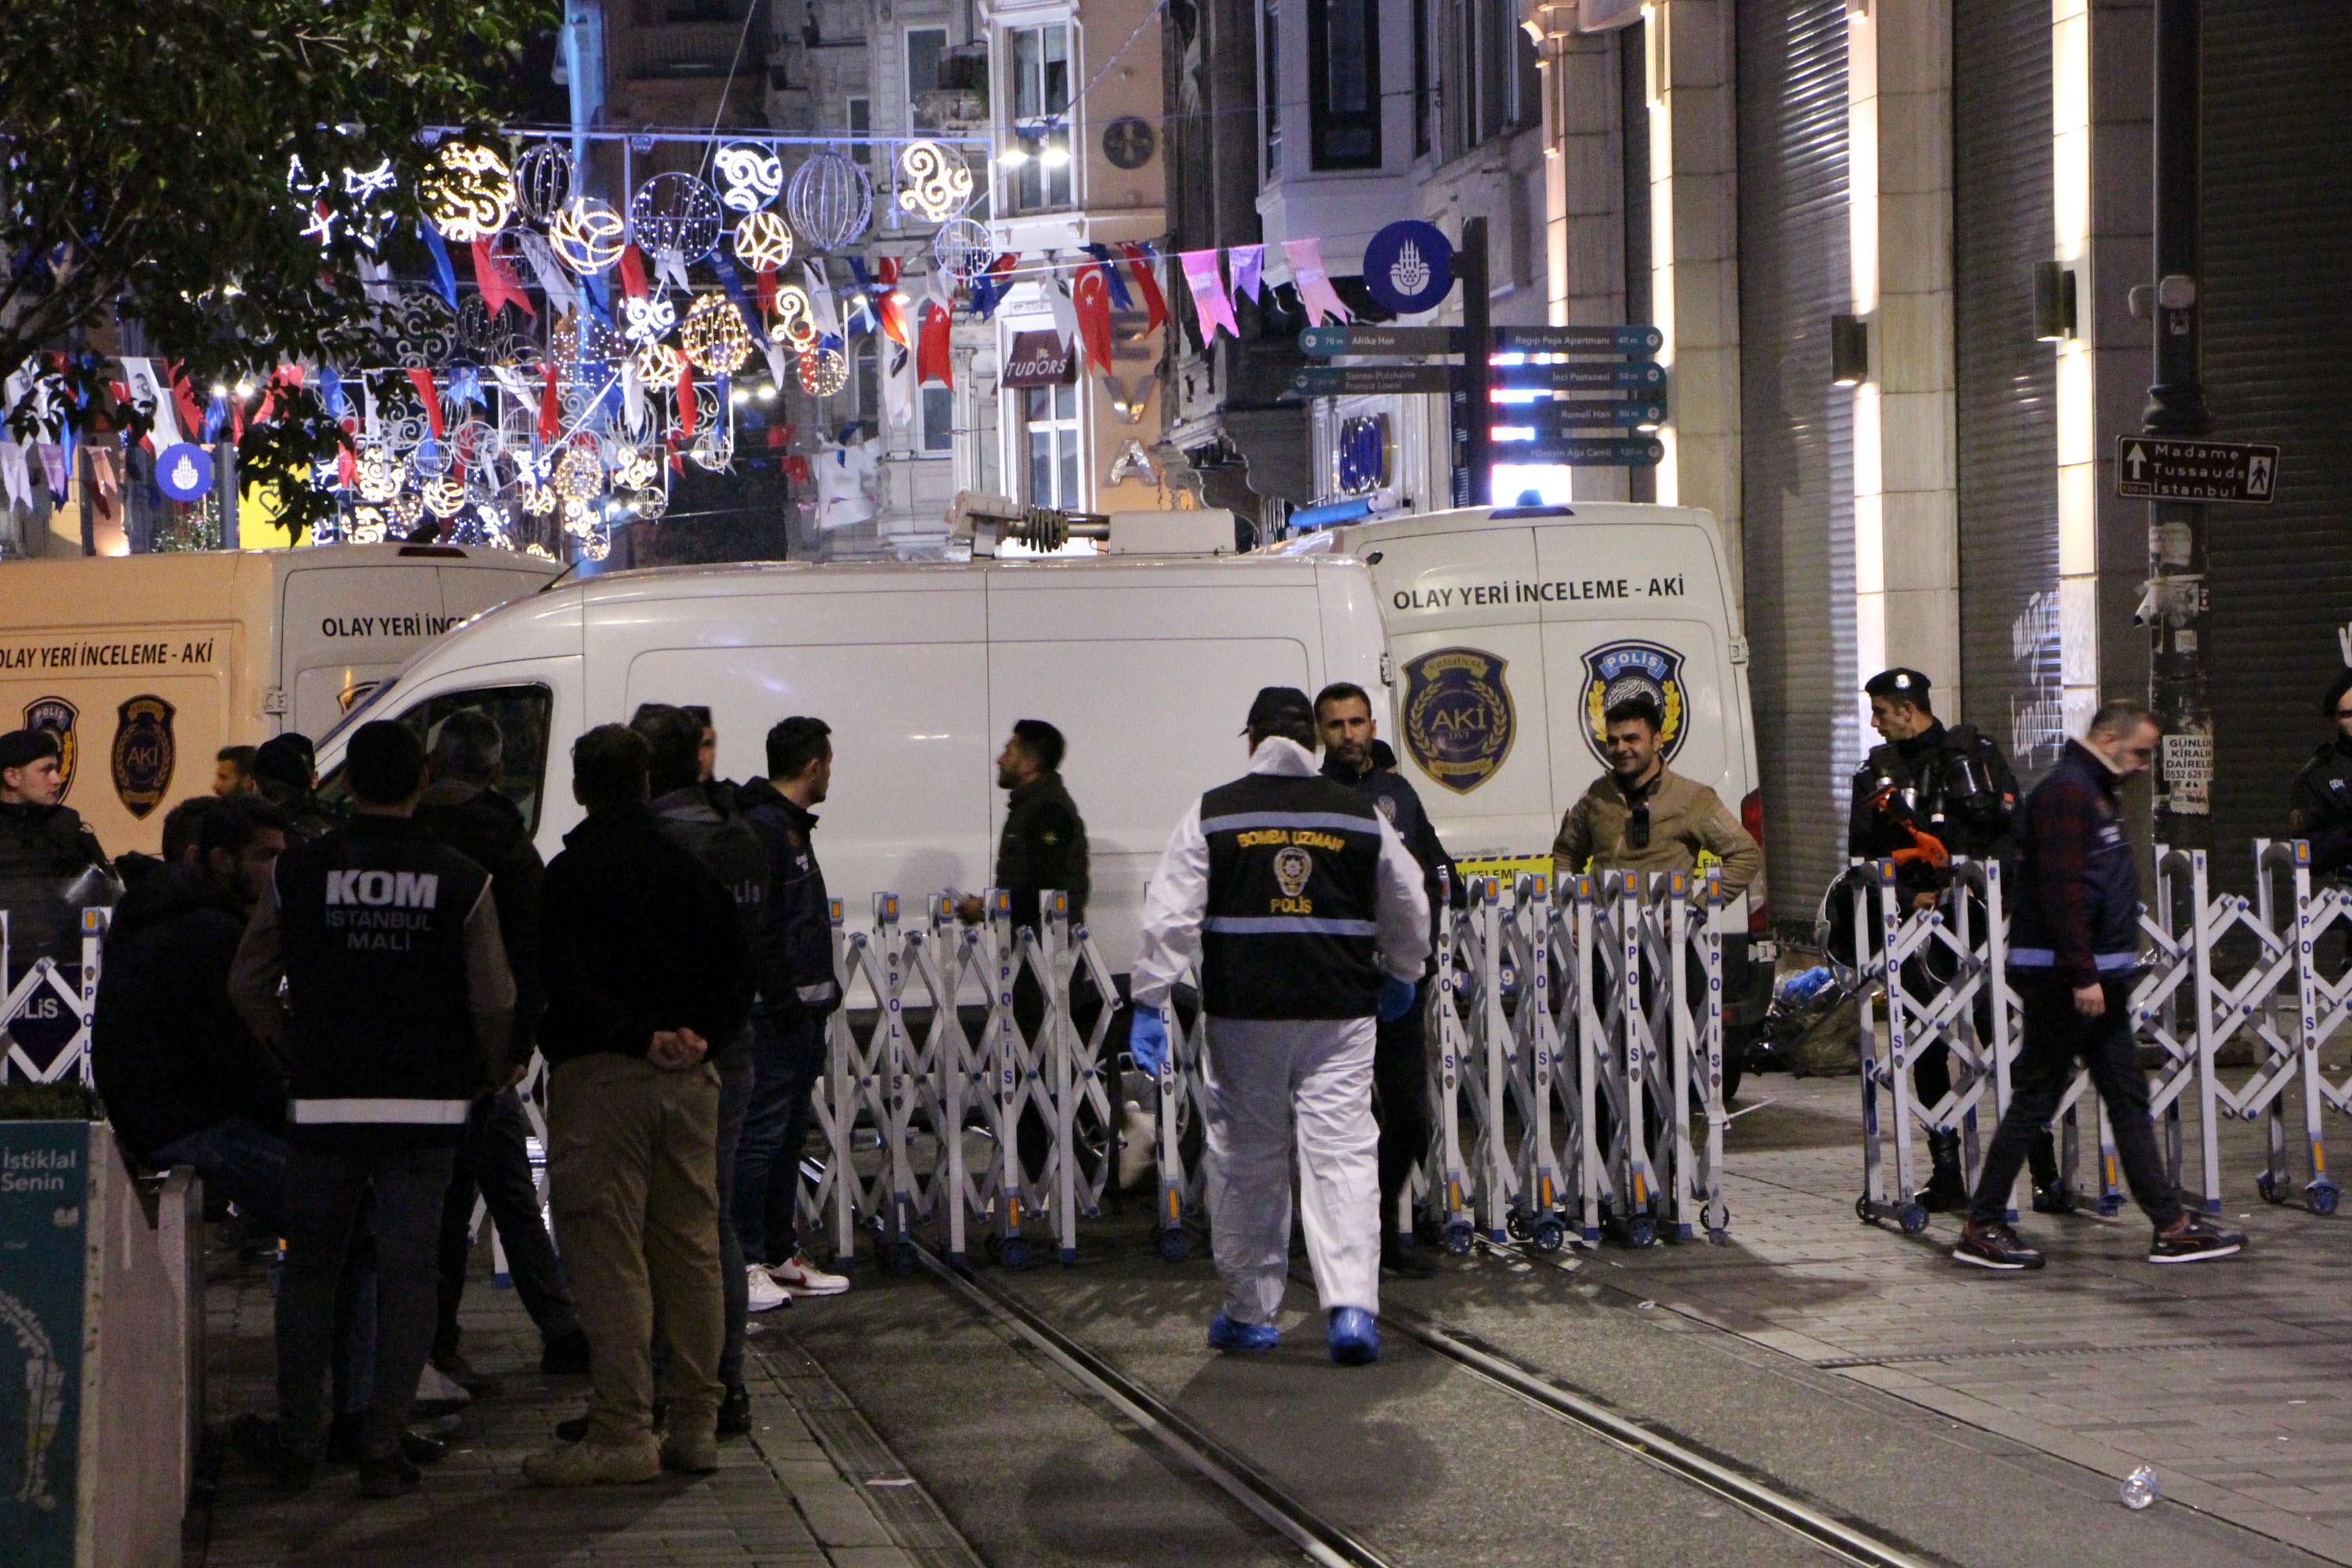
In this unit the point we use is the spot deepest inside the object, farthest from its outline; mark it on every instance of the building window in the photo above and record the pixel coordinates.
(938, 420)
(865, 378)
(924, 48)
(861, 123)
(1343, 83)
(1050, 425)
(1270, 75)
(1040, 66)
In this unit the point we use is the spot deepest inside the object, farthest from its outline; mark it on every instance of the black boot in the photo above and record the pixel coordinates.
(1947, 1190)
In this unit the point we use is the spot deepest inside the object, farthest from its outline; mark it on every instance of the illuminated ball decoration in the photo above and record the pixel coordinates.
(407, 511)
(538, 499)
(763, 242)
(445, 498)
(659, 364)
(429, 459)
(646, 505)
(543, 180)
(713, 449)
(830, 201)
(634, 468)
(934, 182)
(963, 249)
(595, 547)
(824, 372)
(468, 192)
(541, 551)
(367, 525)
(376, 474)
(750, 176)
(477, 446)
(715, 336)
(579, 516)
(794, 320)
(677, 215)
(579, 473)
(588, 235)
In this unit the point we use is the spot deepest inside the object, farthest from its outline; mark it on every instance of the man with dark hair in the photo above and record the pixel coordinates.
(285, 774)
(645, 964)
(184, 1081)
(464, 808)
(232, 771)
(1641, 815)
(182, 824)
(1343, 720)
(2320, 803)
(1309, 919)
(1044, 842)
(690, 816)
(399, 1010)
(1930, 792)
(2073, 953)
(798, 992)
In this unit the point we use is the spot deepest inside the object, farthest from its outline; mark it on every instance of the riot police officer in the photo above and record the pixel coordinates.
(2321, 809)
(1311, 919)
(50, 862)
(1932, 792)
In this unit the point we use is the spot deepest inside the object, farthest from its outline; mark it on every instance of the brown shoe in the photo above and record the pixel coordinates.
(694, 1453)
(595, 1464)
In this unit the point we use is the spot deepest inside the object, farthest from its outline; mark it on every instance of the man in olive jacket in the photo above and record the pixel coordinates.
(1641, 816)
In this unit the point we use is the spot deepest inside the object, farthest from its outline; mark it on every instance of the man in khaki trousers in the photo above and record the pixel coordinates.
(645, 965)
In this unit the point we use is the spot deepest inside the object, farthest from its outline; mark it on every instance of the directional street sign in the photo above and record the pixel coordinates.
(2160, 468)
(1632, 339)
(1363, 380)
(1630, 376)
(1586, 414)
(1622, 452)
(1352, 338)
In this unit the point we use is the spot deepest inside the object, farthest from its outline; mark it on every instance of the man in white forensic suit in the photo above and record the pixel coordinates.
(1310, 918)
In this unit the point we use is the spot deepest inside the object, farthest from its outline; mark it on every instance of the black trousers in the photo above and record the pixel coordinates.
(1400, 1101)
(494, 1161)
(1931, 1068)
(2056, 1037)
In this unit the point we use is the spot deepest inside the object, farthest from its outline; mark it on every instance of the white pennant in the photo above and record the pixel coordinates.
(898, 383)
(1065, 315)
(671, 266)
(561, 292)
(139, 375)
(633, 395)
(15, 478)
(822, 308)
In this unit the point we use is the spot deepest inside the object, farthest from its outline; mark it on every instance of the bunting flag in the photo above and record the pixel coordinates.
(633, 273)
(822, 311)
(53, 469)
(597, 295)
(670, 267)
(1065, 315)
(686, 399)
(1315, 293)
(145, 386)
(331, 393)
(932, 361)
(562, 294)
(421, 379)
(862, 296)
(898, 384)
(988, 290)
(15, 478)
(445, 276)
(183, 397)
(1090, 296)
(499, 285)
(1249, 269)
(1210, 302)
(1142, 261)
(633, 396)
(106, 487)
(1119, 299)
(550, 404)
(767, 291)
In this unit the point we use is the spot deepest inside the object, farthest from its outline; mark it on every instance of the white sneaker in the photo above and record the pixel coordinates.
(766, 1294)
(436, 1388)
(802, 1277)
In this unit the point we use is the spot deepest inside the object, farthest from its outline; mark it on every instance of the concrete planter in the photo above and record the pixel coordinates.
(102, 1314)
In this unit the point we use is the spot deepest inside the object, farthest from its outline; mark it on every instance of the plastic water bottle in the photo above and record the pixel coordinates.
(1801, 988)
(2139, 1489)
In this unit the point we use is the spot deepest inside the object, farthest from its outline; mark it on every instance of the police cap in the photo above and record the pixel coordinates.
(1279, 709)
(1899, 685)
(21, 748)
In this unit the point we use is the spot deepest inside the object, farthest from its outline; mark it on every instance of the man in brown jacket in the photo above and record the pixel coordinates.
(1642, 816)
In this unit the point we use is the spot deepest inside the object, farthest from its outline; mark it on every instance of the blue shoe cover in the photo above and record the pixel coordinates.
(1225, 1334)
(1355, 1338)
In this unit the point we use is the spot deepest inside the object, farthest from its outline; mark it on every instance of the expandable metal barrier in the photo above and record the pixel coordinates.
(44, 987)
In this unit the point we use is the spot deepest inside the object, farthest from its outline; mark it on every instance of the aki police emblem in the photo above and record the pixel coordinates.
(1459, 721)
(1618, 672)
(143, 754)
(58, 716)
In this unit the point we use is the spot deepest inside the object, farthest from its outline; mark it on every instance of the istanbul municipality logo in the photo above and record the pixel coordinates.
(1408, 267)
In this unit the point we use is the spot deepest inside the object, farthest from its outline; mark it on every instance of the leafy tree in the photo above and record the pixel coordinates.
(221, 169)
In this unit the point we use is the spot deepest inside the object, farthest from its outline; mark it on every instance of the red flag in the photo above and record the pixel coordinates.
(347, 467)
(1147, 277)
(685, 410)
(421, 379)
(499, 285)
(767, 292)
(550, 409)
(796, 468)
(633, 273)
(932, 361)
(1091, 295)
(183, 399)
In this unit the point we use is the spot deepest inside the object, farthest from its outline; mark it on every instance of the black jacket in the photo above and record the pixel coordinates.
(703, 823)
(2321, 809)
(636, 938)
(50, 867)
(1043, 845)
(795, 944)
(1950, 782)
(1395, 799)
(487, 828)
(170, 1053)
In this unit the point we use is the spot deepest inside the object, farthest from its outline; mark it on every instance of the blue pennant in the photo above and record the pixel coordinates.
(445, 276)
(1120, 299)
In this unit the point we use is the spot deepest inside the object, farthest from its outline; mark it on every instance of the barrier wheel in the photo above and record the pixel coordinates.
(1642, 1231)
(1914, 1219)
(1013, 1252)
(1515, 1224)
(1175, 1246)
(1861, 1210)
(1457, 1238)
(2267, 1185)
(2322, 1197)
(1548, 1236)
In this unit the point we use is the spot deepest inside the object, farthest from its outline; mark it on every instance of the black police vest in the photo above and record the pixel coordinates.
(372, 922)
(1293, 886)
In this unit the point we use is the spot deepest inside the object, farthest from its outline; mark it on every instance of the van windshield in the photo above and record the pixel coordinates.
(367, 698)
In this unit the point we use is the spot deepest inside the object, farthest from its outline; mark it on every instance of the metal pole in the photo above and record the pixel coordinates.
(1477, 367)
(2178, 597)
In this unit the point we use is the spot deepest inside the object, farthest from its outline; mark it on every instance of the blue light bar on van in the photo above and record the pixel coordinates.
(1332, 513)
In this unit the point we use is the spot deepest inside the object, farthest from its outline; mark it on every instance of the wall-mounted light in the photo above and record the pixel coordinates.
(1849, 350)
(2054, 301)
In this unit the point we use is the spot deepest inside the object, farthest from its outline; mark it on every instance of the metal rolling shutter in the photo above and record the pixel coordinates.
(2008, 415)
(1797, 436)
(2278, 339)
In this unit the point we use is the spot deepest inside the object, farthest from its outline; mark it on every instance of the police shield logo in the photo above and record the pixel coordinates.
(1291, 866)
(1459, 721)
(1620, 671)
(143, 754)
(58, 716)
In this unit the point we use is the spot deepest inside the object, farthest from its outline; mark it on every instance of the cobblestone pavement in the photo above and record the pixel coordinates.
(2230, 1378)
(779, 1500)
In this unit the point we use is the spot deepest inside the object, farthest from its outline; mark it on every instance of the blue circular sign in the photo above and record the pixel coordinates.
(184, 471)
(1409, 265)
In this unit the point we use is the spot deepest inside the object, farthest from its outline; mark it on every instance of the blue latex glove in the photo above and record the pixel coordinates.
(1396, 998)
(1147, 1040)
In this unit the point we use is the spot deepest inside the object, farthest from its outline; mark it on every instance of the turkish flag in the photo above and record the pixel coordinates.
(1091, 296)
(932, 362)
(551, 406)
(1147, 280)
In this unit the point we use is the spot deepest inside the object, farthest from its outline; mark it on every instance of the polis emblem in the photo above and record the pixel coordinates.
(1620, 671)
(143, 754)
(1292, 867)
(57, 715)
(1458, 718)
